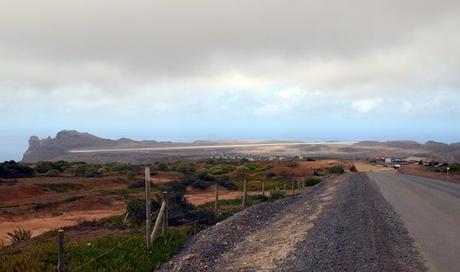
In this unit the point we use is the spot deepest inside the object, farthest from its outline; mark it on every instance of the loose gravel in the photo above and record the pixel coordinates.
(342, 224)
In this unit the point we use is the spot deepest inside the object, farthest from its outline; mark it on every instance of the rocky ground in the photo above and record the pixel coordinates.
(343, 224)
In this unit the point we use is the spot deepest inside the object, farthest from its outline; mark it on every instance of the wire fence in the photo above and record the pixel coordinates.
(176, 214)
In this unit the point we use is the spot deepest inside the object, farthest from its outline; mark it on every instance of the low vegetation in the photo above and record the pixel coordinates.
(62, 187)
(120, 239)
(312, 181)
(19, 235)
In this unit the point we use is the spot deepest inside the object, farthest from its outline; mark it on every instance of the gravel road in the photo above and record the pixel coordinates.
(431, 211)
(342, 224)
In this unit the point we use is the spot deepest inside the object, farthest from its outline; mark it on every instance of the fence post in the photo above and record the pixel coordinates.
(165, 219)
(61, 257)
(245, 189)
(148, 209)
(160, 216)
(298, 185)
(263, 188)
(216, 201)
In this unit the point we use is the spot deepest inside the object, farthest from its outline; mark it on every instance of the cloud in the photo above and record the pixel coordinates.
(366, 105)
(175, 57)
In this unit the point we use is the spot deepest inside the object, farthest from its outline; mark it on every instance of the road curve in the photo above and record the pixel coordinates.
(431, 211)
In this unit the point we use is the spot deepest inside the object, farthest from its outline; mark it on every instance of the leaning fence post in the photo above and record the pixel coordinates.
(160, 216)
(216, 201)
(245, 189)
(148, 209)
(165, 219)
(263, 188)
(61, 257)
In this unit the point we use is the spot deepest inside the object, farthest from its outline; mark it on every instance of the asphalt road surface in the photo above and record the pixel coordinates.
(431, 211)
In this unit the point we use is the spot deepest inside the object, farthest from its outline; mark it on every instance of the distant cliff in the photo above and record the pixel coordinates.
(130, 151)
(51, 148)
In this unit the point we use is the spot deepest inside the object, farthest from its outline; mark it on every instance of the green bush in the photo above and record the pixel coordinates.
(337, 169)
(221, 169)
(12, 169)
(250, 166)
(136, 210)
(292, 164)
(53, 173)
(311, 181)
(227, 184)
(201, 184)
(276, 194)
(92, 173)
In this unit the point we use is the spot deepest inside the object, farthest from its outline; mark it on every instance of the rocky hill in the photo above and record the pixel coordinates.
(69, 144)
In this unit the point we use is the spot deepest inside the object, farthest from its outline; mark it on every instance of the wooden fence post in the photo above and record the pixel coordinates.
(216, 201)
(160, 216)
(292, 187)
(61, 257)
(148, 209)
(245, 190)
(263, 188)
(298, 185)
(165, 219)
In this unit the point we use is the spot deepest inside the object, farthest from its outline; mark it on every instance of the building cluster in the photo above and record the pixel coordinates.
(251, 157)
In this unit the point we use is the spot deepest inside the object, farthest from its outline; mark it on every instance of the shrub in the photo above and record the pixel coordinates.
(337, 169)
(319, 172)
(19, 235)
(12, 169)
(221, 169)
(292, 164)
(92, 173)
(204, 175)
(136, 184)
(276, 194)
(227, 184)
(250, 166)
(136, 210)
(185, 168)
(312, 181)
(53, 173)
(201, 184)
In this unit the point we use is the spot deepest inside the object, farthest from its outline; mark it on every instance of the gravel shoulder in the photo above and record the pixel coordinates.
(343, 224)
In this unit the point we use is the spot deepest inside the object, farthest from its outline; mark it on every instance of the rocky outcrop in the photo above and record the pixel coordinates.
(51, 148)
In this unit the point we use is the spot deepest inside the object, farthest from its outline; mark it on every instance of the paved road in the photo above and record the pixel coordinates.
(431, 211)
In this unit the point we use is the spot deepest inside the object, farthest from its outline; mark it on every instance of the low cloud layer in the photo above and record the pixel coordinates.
(261, 59)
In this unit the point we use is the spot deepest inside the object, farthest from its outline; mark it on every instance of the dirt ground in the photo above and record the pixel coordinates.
(200, 197)
(30, 205)
(368, 167)
(303, 168)
(420, 170)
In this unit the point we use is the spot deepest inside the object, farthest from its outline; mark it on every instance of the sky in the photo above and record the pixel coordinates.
(229, 69)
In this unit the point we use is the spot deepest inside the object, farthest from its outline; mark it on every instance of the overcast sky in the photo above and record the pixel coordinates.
(187, 70)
